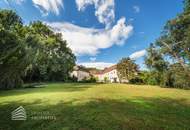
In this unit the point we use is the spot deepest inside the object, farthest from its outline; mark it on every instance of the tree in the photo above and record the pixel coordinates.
(13, 56)
(174, 44)
(154, 59)
(127, 69)
(31, 52)
(157, 65)
(9, 20)
(53, 60)
(176, 37)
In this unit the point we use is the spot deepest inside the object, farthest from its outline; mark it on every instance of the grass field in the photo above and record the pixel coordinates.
(97, 107)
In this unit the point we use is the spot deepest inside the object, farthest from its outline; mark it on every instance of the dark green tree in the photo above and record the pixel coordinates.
(127, 69)
(13, 55)
(32, 53)
(53, 60)
(173, 44)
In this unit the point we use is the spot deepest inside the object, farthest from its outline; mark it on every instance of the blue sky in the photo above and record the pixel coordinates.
(101, 32)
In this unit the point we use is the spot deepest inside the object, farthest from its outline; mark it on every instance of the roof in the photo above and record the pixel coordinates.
(106, 70)
(80, 68)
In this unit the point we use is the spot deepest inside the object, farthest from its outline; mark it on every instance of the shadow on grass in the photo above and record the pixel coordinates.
(50, 87)
(101, 114)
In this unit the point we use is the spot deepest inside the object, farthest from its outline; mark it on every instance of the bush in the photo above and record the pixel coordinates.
(72, 79)
(150, 77)
(106, 80)
(177, 77)
(90, 80)
(136, 80)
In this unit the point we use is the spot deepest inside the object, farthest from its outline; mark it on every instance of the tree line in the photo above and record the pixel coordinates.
(30, 53)
(167, 59)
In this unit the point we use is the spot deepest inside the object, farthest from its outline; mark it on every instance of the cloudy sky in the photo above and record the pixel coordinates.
(101, 32)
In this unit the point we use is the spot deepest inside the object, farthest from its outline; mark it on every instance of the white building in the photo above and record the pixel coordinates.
(108, 74)
(80, 74)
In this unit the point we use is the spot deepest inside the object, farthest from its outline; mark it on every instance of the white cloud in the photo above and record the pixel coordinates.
(104, 9)
(19, 1)
(138, 54)
(142, 33)
(93, 59)
(136, 9)
(89, 41)
(98, 65)
(131, 20)
(47, 6)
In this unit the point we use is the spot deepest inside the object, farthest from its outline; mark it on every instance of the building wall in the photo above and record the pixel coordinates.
(111, 76)
(80, 75)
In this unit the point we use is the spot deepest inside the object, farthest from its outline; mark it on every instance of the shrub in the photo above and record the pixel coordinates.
(90, 80)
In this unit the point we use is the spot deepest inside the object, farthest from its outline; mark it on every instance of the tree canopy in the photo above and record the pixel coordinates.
(127, 69)
(170, 54)
(31, 53)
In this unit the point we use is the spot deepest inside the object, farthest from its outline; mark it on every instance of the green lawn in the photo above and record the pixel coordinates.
(97, 107)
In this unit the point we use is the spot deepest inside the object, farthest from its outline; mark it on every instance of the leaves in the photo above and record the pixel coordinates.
(127, 69)
(32, 53)
(174, 42)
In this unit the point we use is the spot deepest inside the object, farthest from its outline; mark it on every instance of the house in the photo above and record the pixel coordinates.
(107, 75)
(80, 73)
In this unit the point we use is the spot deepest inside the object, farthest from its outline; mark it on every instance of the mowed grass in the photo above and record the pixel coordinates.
(62, 106)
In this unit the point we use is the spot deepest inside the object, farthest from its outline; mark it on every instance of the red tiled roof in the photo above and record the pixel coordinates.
(106, 70)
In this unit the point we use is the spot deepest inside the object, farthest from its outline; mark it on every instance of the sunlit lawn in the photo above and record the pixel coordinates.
(97, 107)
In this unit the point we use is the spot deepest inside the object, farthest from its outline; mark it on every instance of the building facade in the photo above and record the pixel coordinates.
(80, 74)
(107, 75)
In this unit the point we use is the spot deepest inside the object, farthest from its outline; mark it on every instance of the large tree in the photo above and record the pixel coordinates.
(31, 50)
(13, 56)
(127, 69)
(173, 44)
(53, 60)
(175, 38)
(154, 59)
